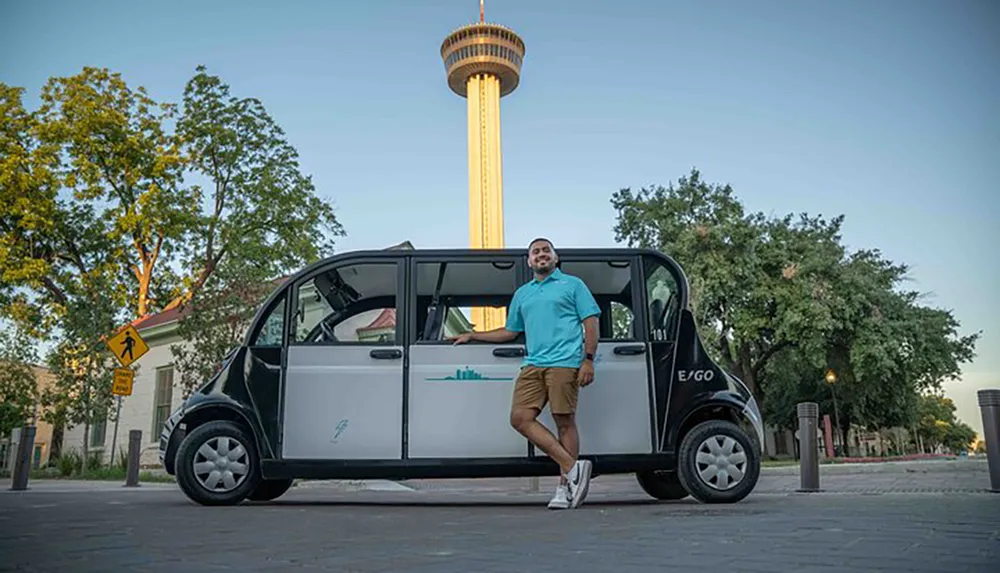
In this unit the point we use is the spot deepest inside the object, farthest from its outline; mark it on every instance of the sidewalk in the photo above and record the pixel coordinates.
(965, 476)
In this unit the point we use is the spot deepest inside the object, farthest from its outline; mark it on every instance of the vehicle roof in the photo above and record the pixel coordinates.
(458, 252)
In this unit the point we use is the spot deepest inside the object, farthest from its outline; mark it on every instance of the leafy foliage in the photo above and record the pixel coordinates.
(216, 322)
(937, 424)
(123, 165)
(780, 300)
(263, 220)
(98, 225)
(18, 385)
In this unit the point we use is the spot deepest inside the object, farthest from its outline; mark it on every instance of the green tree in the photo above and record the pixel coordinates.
(39, 236)
(937, 424)
(83, 365)
(780, 300)
(60, 253)
(18, 384)
(260, 210)
(758, 285)
(262, 219)
(124, 165)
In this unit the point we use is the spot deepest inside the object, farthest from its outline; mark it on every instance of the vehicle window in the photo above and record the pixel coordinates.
(662, 295)
(270, 333)
(349, 304)
(468, 295)
(611, 284)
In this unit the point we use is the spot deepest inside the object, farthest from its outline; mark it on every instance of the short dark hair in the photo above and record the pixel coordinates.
(537, 239)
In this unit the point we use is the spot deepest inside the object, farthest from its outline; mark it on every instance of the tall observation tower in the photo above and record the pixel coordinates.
(483, 62)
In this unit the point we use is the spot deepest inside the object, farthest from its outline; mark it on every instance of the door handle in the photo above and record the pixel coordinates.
(630, 350)
(508, 352)
(386, 353)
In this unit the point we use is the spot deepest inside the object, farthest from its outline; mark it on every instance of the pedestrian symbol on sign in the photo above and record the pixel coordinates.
(127, 345)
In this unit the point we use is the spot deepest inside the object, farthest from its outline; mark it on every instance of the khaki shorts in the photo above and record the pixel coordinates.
(537, 386)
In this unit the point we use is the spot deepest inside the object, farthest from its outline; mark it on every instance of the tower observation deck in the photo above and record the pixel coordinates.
(483, 64)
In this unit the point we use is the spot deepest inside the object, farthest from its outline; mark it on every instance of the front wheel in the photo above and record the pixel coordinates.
(718, 462)
(217, 464)
(661, 485)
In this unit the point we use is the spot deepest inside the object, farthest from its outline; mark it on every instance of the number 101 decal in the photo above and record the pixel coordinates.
(695, 375)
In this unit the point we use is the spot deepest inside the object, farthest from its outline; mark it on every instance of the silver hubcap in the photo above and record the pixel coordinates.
(221, 464)
(721, 462)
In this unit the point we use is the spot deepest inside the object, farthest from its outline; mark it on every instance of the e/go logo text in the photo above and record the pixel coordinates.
(695, 375)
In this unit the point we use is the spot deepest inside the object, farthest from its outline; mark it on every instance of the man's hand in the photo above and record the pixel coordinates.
(461, 338)
(586, 373)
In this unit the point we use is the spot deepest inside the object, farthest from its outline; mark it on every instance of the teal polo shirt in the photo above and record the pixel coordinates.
(550, 313)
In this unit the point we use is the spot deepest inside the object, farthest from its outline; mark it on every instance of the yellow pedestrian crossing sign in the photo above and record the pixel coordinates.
(122, 385)
(127, 345)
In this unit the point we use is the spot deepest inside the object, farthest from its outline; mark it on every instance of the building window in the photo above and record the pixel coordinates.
(98, 432)
(162, 396)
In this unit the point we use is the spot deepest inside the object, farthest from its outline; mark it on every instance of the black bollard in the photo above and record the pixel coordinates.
(134, 446)
(808, 456)
(989, 407)
(22, 463)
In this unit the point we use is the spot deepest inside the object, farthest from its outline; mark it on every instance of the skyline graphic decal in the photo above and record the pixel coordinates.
(468, 375)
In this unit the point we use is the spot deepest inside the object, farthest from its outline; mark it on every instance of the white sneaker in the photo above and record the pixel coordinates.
(561, 499)
(578, 480)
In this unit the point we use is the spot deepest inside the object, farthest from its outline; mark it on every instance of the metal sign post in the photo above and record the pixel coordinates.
(121, 386)
(114, 436)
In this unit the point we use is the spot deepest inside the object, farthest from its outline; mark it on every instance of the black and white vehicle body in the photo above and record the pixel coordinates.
(345, 373)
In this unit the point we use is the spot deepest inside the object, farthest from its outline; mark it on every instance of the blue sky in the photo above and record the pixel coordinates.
(882, 111)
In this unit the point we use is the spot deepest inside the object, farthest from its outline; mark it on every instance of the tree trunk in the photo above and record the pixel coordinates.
(86, 446)
(143, 306)
(55, 449)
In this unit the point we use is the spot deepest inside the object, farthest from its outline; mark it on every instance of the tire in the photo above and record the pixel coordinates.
(270, 489)
(218, 435)
(703, 447)
(665, 486)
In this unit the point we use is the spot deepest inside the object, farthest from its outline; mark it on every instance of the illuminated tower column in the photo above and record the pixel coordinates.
(483, 62)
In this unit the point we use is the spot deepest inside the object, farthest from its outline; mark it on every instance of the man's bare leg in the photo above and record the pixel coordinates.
(569, 437)
(524, 421)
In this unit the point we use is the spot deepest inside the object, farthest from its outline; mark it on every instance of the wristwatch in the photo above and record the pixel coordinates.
(589, 356)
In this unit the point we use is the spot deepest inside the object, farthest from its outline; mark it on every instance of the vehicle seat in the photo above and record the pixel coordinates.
(656, 310)
(435, 323)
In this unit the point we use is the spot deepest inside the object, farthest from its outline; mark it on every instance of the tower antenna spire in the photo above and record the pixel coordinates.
(482, 16)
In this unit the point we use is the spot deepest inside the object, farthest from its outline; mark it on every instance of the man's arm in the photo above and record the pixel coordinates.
(507, 333)
(590, 335)
(499, 335)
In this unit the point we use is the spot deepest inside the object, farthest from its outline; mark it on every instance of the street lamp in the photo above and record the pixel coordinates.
(831, 379)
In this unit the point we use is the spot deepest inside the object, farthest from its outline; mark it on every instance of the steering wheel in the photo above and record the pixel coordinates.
(327, 331)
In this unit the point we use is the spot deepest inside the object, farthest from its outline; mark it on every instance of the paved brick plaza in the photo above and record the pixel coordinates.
(932, 516)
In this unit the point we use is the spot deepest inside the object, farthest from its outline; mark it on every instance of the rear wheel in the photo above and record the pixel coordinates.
(270, 489)
(661, 485)
(718, 462)
(217, 464)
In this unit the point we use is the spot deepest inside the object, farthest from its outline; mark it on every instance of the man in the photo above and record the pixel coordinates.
(550, 310)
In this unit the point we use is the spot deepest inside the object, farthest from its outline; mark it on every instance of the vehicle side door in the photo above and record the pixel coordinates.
(665, 294)
(614, 412)
(458, 397)
(343, 384)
